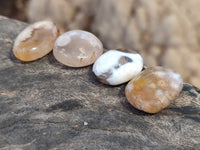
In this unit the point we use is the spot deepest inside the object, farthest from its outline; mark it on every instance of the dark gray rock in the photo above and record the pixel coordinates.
(45, 105)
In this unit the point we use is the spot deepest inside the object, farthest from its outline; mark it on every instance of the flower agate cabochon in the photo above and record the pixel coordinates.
(116, 67)
(35, 41)
(77, 48)
(154, 89)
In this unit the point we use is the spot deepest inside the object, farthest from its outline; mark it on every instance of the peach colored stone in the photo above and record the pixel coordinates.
(77, 48)
(154, 89)
(35, 41)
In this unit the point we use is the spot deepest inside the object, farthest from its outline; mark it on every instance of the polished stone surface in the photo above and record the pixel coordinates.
(154, 89)
(116, 67)
(35, 41)
(77, 48)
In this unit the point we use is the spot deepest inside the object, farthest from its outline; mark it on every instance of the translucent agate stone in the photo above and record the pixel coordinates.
(154, 89)
(116, 67)
(77, 48)
(35, 41)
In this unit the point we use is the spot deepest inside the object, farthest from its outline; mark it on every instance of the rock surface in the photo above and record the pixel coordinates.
(166, 32)
(45, 105)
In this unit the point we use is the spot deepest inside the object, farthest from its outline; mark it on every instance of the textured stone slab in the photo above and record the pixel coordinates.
(45, 105)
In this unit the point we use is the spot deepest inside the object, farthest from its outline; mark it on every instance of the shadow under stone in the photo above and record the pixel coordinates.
(133, 110)
(194, 118)
(186, 110)
(187, 87)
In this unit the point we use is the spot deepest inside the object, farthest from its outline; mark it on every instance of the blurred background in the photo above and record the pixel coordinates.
(167, 33)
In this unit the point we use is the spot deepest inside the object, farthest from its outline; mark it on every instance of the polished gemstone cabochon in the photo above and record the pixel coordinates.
(77, 48)
(116, 67)
(154, 89)
(35, 41)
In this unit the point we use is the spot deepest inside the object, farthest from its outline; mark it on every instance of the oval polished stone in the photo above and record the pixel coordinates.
(35, 41)
(77, 48)
(154, 89)
(116, 67)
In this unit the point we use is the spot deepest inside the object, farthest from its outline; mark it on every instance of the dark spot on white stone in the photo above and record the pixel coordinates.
(103, 77)
(123, 60)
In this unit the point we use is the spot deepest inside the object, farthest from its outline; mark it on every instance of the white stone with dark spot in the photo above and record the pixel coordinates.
(116, 67)
(77, 48)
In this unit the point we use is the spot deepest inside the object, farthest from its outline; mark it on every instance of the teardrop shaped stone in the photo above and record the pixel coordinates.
(35, 41)
(77, 48)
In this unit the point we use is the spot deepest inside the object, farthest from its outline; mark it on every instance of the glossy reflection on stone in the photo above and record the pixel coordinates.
(77, 48)
(154, 89)
(35, 41)
(116, 67)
